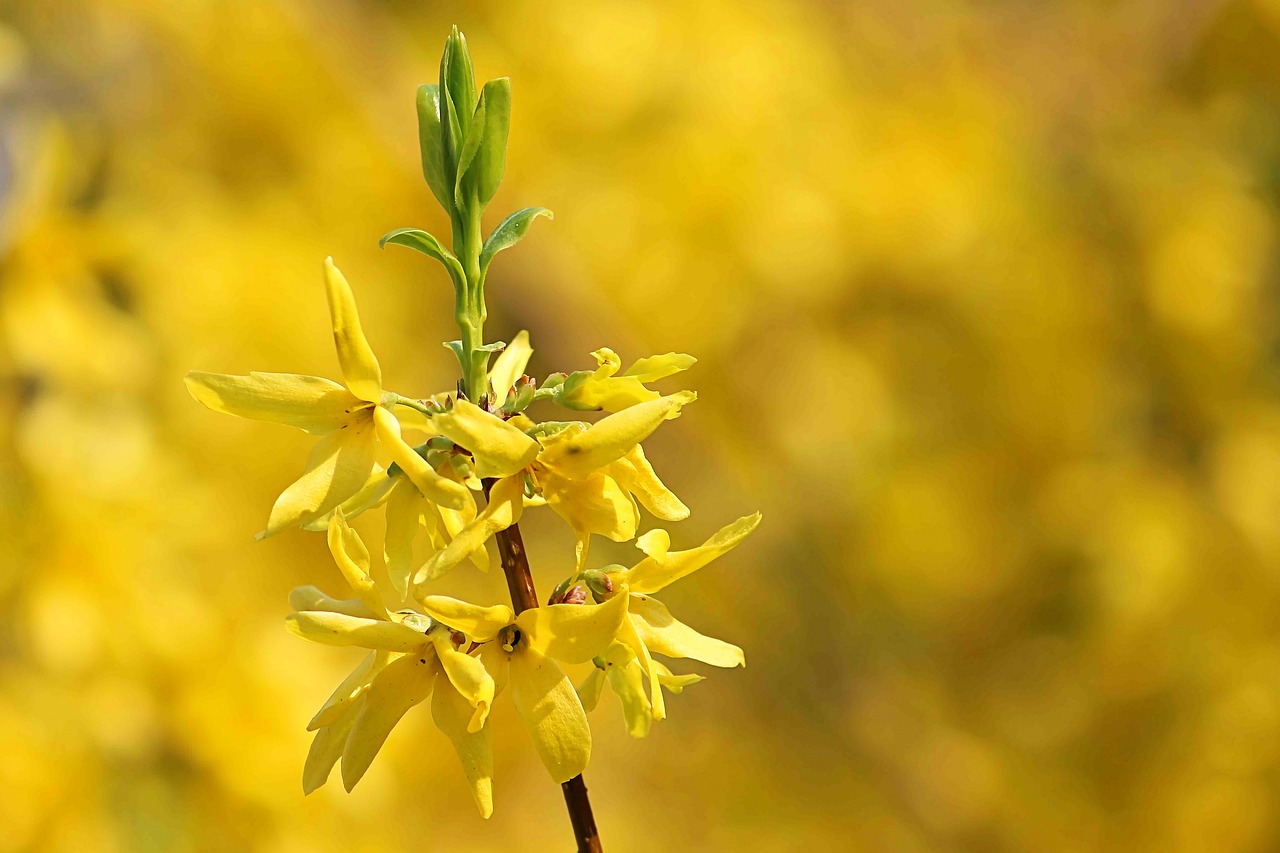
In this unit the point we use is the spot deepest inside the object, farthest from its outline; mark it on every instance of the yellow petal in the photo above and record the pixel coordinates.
(662, 567)
(439, 489)
(506, 502)
(634, 474)
(627, 679)
(551, 711)
(339, 629)
(663, 633)
(479, 624)
(326, 749)
(360, 369)
(627, 635)
(452, 715)
(336, 470)
(590, 689)
(593, 504)
(573, 633)
(509, 366)
(468, 677)
(352, 557)
(372, 494)
(497, 664)
(413, 419)
(342, 699)
(311, 598)
(404, 518)
(608, 439)
(404, 682)
(657, 367)
(675, 683)
(499, 449)
(307, 402)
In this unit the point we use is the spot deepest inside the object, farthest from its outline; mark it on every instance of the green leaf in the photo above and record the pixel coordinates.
(458, 80)
(470, 145)
(490, 128)
(510, 232)
(431, 142)
(421, 241)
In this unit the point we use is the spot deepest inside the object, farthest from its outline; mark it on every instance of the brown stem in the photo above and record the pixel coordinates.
(515, 564)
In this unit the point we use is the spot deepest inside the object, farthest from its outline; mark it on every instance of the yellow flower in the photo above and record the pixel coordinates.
(412, 657)
(602, 389)
(524, 651)
(351, 419)
(650, 628)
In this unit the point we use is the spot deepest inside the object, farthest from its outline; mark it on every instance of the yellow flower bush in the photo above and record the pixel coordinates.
(479, 439)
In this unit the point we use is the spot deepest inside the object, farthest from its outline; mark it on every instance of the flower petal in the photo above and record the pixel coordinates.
(590, 689)
(663, 633)
(662, 567)
(326, 749)
(499, 449)
(468, 677)
(627, 679)
(551, 711)
(404, 518)
(479, 624)
(509, 366)
(337, 469)
(360, 369)
(312, 598)
(592, 504)
(635, 475)
(442, 490)
(675, 683)
(404, 682)
(307, 402)
(452, 715)
(352, 557)
(372, 494)
(506, 502)
(339, 629)
(573, 633)
(657, 367)
(608, 439)
(340, 701)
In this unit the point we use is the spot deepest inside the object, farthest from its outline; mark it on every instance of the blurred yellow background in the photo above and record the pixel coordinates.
(985, 301)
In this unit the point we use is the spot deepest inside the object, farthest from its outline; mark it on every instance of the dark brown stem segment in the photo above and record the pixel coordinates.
(515, 564)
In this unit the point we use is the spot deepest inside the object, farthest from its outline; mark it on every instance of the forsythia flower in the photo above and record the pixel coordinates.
(412, 657)
(349, 419)
(601, 389)
(524, 653)
(650, 628)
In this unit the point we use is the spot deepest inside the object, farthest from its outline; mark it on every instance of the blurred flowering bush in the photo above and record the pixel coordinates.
(984, 294)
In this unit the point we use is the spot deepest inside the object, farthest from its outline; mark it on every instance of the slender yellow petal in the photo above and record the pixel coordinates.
(506, 502)
(662, 567)
(341, 700)
(336, 470)
(497, 663)
(360, 369)
(551, 711)
(352, 557)
(307, 402)
(628, 635)
(627, 679)
(509, 366)
(404, 518)
(452, 715)
(311, 598)
(634, 474)
(593, 504)
(326, 749)
(404, 682)
(499, 449)
(372, 494)
(468, 677)
(573, 633)
(479, 624)
(339, 629)
(442, 490)
(663, 633)
(675, 683)
(590, 689)
(608, 439)
(657, 367)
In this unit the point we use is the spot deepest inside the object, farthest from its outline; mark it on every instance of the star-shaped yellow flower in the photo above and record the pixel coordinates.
(351, 419)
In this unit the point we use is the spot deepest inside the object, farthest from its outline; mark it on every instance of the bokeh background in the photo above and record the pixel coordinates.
(985, 297)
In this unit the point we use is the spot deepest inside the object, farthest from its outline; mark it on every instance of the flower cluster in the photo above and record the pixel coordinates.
(425, 461)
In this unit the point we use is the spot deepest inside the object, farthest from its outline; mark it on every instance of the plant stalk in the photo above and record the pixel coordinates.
(515, 565)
